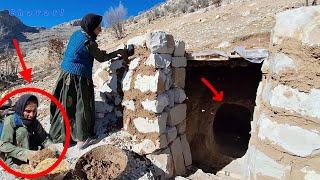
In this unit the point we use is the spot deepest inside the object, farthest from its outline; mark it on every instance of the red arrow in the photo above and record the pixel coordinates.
(217, 96)
(25, 73)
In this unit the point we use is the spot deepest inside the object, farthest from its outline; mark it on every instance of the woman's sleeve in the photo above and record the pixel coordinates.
(6, 142)
(100, 55)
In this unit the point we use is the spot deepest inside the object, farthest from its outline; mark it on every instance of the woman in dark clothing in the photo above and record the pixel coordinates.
(74, 88)
(22, 134)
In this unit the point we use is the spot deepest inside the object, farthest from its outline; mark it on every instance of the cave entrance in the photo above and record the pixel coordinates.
(219, 132)
(231, 130)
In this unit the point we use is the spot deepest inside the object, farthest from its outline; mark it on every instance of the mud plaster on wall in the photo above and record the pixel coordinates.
(307, 61)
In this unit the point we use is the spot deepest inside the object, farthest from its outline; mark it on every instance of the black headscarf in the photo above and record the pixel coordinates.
(89, 23)
(21, 105)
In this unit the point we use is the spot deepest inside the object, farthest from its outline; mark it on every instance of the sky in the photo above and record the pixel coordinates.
(48, 13)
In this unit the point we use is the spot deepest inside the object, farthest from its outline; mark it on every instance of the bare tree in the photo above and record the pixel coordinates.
(202, 3)
(314, 3)
(114, 18)
(8, 67)
(8, 62)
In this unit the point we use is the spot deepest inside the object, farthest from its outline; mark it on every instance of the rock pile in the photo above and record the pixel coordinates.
(108, 95)
(154, 111)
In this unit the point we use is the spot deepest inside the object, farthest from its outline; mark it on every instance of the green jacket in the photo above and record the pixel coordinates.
(16, 141)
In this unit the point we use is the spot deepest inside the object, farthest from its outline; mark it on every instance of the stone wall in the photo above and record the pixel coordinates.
(154, 109)
(285, 137)
(108, 95)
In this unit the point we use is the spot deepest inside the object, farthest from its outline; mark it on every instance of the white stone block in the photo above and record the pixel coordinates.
(278, 63)
(154, 83)
(178, 77)
(159, 60)
(310, 174)
(105, 65)
(179, 48)
(147, 176)
(126, 82)
(138, 40)
(157, 105)
(100, 77)
(177, 114)
(163, 162)
(281, 62)
(179, 62)
(146, 125)
(295, 140)
(126, 122)
(178, 160)
(134, 63)
(179, 95)
(200, 175)
(129, 104)
(186, 150)
(110, 85)
(99, 96)
(301, 24)
(171, 134)
(160, 42)
(148, 146)
(145, 147)
(259, 163)
(105, 88)
(306, 104)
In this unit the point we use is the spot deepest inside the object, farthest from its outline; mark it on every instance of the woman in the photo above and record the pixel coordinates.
(22, 134)
(74, 88)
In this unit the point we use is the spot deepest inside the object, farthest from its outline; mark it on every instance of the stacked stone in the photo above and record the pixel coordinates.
(108, 94)
(154, 111)
(285, 139)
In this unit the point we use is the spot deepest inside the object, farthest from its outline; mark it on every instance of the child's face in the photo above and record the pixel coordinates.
(30, 111)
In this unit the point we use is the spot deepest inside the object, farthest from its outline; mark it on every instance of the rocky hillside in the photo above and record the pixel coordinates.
(11, 27)
(235, 22)
(31, 38)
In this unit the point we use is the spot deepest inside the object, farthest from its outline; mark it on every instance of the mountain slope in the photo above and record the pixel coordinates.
(11, 27)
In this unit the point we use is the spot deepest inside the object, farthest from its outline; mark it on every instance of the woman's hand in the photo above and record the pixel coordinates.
(122, 53)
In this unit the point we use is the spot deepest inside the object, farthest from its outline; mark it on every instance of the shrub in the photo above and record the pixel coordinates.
(114, 18)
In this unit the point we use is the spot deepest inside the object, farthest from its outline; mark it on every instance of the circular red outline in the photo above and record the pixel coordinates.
(66, 122)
